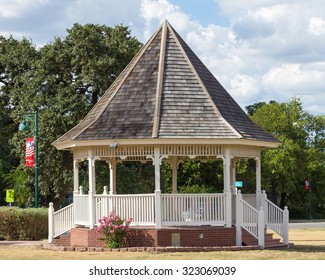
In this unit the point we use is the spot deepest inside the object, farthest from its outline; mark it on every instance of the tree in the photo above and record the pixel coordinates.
(251, 109)
(300, 155)
(64, 82)
(16, 57)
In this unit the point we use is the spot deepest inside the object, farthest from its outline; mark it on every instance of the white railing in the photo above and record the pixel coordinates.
(276, 218)
(81, 213)
(175, 210)
(250, 219)
(255, 222)
(250, 199)
(61, 221)
(193, 209)
(139, 207)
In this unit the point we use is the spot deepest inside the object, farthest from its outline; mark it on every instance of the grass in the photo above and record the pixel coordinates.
(309, 245)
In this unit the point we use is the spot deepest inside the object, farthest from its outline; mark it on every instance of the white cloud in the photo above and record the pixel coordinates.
(269, 52)
(271, 49)
(242, 6)
(296, 78)
(317, 26)
(111, 12)
(18, 8)
(243, 88)
(154, 12)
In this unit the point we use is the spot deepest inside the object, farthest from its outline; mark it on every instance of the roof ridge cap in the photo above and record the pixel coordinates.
(160, 79)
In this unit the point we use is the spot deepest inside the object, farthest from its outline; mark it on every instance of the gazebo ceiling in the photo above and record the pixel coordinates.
(165, 92)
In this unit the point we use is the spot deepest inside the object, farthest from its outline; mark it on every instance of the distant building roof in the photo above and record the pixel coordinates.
(166, 92)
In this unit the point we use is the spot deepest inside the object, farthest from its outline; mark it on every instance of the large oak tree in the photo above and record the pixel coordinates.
(62, 81)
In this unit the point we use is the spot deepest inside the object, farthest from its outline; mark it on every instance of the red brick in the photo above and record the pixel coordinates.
(145, 238)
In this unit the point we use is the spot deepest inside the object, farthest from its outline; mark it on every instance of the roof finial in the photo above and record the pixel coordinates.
(165, 22)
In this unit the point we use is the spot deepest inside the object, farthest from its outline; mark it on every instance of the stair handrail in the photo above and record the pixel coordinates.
(250, 219)
(60, 221)
(276, 219)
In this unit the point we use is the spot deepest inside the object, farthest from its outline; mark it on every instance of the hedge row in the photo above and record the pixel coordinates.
(23, 224)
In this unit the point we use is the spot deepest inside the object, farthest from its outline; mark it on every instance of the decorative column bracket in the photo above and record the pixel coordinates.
(157, 160)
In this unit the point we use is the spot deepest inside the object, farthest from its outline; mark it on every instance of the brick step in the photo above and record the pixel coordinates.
(270, 240)
(62, 240)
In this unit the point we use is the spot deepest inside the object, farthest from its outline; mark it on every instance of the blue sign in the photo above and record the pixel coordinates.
(238, 184)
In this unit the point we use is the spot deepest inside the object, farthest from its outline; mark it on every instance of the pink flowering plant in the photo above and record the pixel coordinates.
(114, 230)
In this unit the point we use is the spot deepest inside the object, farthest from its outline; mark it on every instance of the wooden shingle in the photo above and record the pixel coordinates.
(166, 92)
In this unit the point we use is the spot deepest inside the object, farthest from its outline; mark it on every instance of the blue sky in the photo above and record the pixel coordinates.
(260, 50)
(204, 11)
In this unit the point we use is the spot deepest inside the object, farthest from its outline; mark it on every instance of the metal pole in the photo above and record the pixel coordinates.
(36, 158)
(309, 200)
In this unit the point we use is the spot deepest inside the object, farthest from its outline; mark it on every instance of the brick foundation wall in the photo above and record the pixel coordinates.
(197, 237)
(85, 237)
(144, 237)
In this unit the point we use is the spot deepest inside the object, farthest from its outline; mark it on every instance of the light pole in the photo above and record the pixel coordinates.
(24, 127)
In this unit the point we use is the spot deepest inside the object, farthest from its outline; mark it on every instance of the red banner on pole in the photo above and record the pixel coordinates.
(30, 152)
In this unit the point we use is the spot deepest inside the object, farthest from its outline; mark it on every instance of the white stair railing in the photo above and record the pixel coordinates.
(60, 221)
(276, 218)
(249, 219)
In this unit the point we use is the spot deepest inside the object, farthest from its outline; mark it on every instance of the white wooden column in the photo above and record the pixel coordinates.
(258, 183)
(75, 177)
(112, 176)
(174, 174)
(239, 218)
(233, 175)
(156, 161)
(227, 190)
(92, 189)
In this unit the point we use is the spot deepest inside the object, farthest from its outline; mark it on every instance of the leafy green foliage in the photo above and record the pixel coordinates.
(23, 224)
(135, 178)
(16, 57)
(17, 180)
(62, 80)
(300, 155)
(200, 177)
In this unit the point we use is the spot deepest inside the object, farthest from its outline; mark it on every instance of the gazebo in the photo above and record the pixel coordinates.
(167, 106)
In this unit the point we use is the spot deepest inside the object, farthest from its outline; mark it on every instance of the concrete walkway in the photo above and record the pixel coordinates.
(21, 243)
(307, 224)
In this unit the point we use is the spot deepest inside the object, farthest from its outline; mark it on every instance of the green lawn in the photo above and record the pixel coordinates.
(309, 245)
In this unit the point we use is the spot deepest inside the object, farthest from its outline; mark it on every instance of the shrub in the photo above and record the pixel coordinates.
(23, 224)
(114, 230)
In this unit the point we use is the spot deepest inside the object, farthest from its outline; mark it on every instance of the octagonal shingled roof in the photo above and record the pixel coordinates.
(165, 92)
